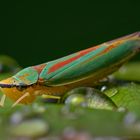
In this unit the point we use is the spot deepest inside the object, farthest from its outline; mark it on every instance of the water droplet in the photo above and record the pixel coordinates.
(16, 118)
(103, 88)
(130, 118)
(122, 69)
(121, 109)
(30, 128)
(76, 99)
(89, 97)
(38, 108)
(132, 123)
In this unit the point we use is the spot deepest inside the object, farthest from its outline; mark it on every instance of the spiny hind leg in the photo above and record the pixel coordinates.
(56, 92)
(51, 98)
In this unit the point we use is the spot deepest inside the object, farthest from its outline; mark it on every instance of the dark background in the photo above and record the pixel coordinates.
(34, 32)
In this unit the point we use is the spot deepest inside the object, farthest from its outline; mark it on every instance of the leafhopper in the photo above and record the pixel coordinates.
(84, 68)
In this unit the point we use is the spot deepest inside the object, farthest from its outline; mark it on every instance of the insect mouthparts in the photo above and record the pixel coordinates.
(12, 85)
(7, 85)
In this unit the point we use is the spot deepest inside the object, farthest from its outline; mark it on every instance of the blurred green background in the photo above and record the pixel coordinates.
(34, 32)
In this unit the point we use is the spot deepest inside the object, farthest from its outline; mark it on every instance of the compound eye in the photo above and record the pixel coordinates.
(21, 87)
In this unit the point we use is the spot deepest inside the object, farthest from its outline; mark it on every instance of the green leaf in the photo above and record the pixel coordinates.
(130, 71)
(96, 122)
(8, 65)
(127, 96)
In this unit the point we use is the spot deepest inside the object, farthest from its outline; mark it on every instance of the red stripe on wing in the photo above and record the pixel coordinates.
(39, 68)
(65, 62)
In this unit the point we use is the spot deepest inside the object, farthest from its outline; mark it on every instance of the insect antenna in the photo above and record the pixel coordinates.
(21, 98)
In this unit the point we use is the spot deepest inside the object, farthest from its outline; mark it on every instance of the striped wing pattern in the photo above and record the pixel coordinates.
(84, 63)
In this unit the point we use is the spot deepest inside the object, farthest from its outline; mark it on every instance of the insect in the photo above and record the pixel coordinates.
(84, 68)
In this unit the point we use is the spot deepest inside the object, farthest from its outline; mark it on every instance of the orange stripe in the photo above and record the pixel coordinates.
(103, 52)
(114, 45)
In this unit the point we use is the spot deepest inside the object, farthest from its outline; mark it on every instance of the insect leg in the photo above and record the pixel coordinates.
(21, 98)
(2, 100)
(51, 96)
